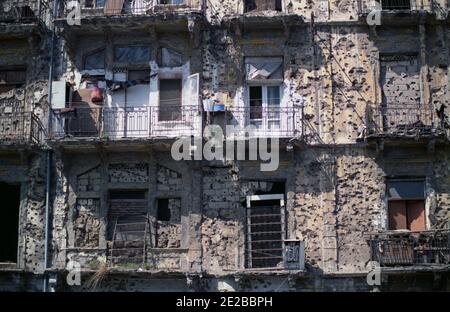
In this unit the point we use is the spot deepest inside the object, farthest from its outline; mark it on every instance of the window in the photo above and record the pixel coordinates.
(170, 99)
(265, 231)
(168, 224)
(262, 5)
(127, 194)
(126, 206)
(12, 78)
(9, 222)
(132, 54)
(400, 80)
(395, 4)
(264, 76)
(171, 1)
(91, 4)
(163, 213)
(406, 205)
(401, 94)
(264, 102)
(95, 60)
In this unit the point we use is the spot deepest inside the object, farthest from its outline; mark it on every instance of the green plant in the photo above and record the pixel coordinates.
(94, 264)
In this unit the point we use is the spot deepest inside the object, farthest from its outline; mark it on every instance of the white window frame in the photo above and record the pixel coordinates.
(264, 129)
(253, 198)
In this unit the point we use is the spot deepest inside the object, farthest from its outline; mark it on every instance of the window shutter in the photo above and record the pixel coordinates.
(193, 89)
(397, 215)
(416, 215)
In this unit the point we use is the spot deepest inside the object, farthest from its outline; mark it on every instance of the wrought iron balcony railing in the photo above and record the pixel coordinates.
(93, 8)
(20, 128)
(127, 122)
(19, 11)
(399, 6)
(393, 248)
(405, 120)
(271, 121)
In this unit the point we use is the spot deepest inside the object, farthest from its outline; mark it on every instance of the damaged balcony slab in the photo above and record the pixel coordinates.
(170, 22)
(261, 21)
(92, 144)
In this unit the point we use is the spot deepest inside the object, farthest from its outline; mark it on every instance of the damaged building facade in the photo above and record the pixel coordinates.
(354, 93)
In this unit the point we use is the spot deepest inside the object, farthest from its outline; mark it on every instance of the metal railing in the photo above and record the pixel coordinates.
(367, 6)
(127, 122)
(19, 11)
(276, 121)
(404, 120)
(411, 248)
(20, 128)
(129, 7)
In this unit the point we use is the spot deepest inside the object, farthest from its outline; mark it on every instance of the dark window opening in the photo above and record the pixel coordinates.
(170, 99)
(126, 207)
(171, 2)
(406, 205)
(9, 222)
(12, 78)
(395, 4)
(262, 5)
(127, 194)
(255, 99)
(265, 233)
(163, 213)
(278, 187)
(139, 76)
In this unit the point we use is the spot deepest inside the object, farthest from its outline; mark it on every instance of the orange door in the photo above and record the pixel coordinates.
(416, 215)
(397, 215)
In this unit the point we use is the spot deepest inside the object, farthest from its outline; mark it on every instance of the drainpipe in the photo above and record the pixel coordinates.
(49, 152)
(47, 217)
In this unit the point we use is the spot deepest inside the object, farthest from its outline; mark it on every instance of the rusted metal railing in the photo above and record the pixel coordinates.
(14, 11)
(400, 6)
(393, 248)
(20, 128)
(405, 120)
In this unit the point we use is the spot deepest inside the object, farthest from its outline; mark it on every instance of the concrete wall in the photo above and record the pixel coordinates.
(334, 179)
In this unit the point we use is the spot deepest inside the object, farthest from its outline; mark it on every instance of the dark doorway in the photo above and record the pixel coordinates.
(9, 222)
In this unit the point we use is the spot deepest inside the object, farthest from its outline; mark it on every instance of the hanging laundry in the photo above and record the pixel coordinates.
(139, 7)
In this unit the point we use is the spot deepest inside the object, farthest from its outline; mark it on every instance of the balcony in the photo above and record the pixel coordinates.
(270, 122)
(23, 12)
(399, 6)
(130, 8)
(425, 248)
(125, 123)
(405, 120)
(20, 128)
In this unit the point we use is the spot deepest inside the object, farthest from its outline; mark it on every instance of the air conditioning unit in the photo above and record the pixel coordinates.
(294, 254)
